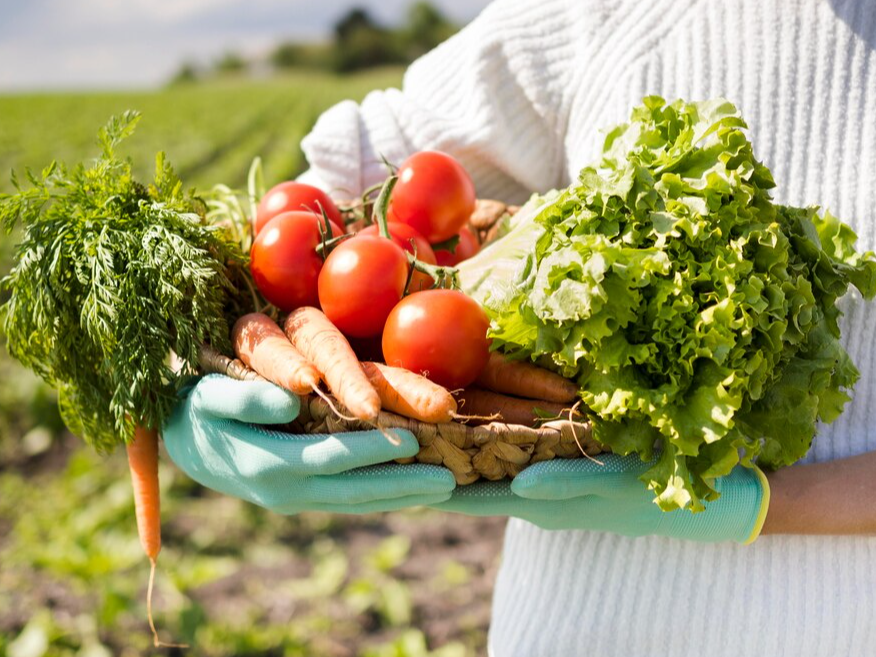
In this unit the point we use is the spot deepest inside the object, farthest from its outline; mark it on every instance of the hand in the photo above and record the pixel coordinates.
(214, 436)
(582, 494)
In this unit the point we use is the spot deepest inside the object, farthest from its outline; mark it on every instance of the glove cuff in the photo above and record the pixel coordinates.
(764, 506)
(738, 515)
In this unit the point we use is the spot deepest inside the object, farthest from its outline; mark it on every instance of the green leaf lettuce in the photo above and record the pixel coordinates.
(698, 317)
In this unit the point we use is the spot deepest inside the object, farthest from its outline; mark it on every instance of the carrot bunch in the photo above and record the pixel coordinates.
(312, 350)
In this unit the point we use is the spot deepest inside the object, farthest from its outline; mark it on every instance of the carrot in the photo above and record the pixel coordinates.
(524, 379)
(263, 347)
(322, 344)
(409, 394)
(484, 404)
(143, 463)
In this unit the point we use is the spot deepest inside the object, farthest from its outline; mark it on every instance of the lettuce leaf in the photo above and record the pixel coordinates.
(698, 317)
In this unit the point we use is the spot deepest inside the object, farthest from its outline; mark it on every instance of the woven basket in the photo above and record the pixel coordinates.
(492, 451)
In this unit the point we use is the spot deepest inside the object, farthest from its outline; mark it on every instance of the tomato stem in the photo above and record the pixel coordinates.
(444, 277)
(389, 165)
(325, 228)
(327, 238)
(408, 282)
(325, 247)
(381, 205)
(369, 191)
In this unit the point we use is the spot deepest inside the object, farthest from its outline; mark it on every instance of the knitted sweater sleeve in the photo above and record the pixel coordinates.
(494, 95)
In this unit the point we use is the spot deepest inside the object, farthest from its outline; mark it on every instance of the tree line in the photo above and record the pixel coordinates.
(357, 42)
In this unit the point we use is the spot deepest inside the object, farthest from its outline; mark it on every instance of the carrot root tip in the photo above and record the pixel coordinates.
(575, 434)
(158, 643)
(331, 405)
(391, 437)
(466, 418)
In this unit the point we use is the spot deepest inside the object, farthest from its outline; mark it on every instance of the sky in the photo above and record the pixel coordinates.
(97, 44)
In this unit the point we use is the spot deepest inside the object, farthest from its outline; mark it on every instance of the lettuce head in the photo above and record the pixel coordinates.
(698, 317)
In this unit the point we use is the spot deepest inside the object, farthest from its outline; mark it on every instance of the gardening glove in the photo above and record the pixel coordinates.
(582, 494)
(216, 435)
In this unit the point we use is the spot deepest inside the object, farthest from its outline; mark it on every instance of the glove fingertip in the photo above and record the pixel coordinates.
(407, 446)
(436, 479)
(282, 406)
(524, 483)
(257, 402)
(542, 484)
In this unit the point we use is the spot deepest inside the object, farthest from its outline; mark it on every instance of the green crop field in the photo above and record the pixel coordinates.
(210, 131)
(233, 579)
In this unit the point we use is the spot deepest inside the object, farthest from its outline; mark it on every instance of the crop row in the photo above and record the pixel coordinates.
(209, 131)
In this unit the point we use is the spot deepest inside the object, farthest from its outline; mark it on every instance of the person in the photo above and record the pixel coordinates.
(520, 96)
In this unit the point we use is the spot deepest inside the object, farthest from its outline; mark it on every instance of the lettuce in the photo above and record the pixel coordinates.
(698, 317)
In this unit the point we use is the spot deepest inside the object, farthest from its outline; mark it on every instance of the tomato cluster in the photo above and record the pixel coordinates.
(299, 258)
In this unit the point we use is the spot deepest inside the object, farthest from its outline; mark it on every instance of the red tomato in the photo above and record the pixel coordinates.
(434, 194)
(408, 238)
(360, 283)
(441, 334)
(467, 247)
(284, 262)
(294, 196)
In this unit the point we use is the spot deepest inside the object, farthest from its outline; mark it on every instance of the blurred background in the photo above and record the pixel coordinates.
(218, 82)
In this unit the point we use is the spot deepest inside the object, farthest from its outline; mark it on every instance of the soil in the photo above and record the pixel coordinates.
(445, 610)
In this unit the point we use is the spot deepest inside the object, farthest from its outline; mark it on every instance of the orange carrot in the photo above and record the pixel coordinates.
(409, 394)
(482, 404)
(322, 344)
(263, 347)
(524, 379)
(143, 463)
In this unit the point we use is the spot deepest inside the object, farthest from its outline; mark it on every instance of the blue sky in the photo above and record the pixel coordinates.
(62, 44)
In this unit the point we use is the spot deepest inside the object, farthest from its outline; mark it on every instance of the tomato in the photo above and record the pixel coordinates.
(294, 196)
(434, 195)
(284, 262)
(360, 283)
(467, 247)
(412, 242)
(441, 334)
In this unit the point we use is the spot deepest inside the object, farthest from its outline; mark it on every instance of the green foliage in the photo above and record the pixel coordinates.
(359, 42)
(412, 643)
(210, 130)
(186, 74)
(72, 574)
(693, 312)
(376, 591)
(231, 62)
(234, 580)
(302, 55)
(110, 277)
(424, 29)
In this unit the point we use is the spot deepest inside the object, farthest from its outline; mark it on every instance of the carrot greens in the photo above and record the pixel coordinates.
(111, 276)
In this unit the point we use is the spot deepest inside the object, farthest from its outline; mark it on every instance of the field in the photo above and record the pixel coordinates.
(209, 131)
(233, 579)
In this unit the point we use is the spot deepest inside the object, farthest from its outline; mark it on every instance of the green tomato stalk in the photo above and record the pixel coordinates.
(444, 277)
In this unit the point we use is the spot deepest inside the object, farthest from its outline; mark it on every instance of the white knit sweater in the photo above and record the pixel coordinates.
(520, 96)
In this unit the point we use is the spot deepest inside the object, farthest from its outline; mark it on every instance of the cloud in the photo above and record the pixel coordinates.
(107, 43)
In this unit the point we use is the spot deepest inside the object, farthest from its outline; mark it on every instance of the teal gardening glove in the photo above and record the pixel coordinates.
(582, 494)
(215, 436)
